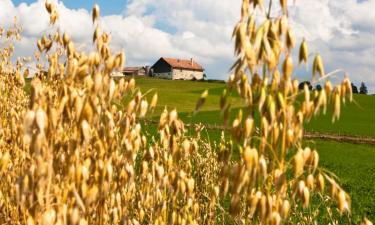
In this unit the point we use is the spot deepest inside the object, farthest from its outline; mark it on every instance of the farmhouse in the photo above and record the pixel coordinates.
(176, 69)
(136, 71)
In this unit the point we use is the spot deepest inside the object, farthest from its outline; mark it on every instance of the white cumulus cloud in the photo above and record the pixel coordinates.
(341, 30)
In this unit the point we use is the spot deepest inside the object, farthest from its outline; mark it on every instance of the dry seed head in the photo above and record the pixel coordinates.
(95, 13)
(342, 201)
(4, 161)
(255, 198)
(249, 124)
(281, 100)
(120, 60)
(328, 87)
(201, 101)
(283, 24)
(271, 108)
(41, 119)
(131, 84)
(66, 39)
(284, 5)
(290, 39)
(288, 67)
(96, 34)
(264, 127)
(82, 221)
(258, 3)
(263, 207)
(110, 63)
(186, 146)
(320, 182)
(303, 52)
(144, 107)
(49, 217)
(154, 101)
(173, 115)
(337, 106)
(191, 184)
(234, 208)
(245, 9)
(250, 156)
(71, 49)
(318, 66)
(40, 46)
(334, 188)
(112, 89)
(30, 220)
(275, 218)
(236, 123)
(300, 187)
(315, 159)
(48, 6)
(285, 209)
(263, 166)
(310, 181)
(348, 85)
(262, 99)
(306, 197)
(306, 154)
(53, 17)
(298, 163)
(85, 126)
(366, 222)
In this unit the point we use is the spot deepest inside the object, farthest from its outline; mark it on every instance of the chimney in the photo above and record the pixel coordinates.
(191, 61)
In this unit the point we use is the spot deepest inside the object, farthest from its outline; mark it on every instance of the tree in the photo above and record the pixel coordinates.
(354, 89)
(302, 84)
(363, 89)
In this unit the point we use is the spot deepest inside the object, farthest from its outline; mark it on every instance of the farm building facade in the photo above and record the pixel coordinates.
(177, 69)
(136, 71)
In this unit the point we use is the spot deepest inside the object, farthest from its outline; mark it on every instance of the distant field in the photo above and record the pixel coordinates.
(183, 95)
(355, 166)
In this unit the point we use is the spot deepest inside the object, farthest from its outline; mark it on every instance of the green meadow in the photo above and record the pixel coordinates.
(356, 117)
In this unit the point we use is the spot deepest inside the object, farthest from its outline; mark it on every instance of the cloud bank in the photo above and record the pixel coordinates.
(341, 30)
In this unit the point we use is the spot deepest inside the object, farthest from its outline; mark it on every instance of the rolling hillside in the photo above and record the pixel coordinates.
(183, 95)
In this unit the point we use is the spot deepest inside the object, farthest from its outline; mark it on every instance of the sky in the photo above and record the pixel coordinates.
(342, 31)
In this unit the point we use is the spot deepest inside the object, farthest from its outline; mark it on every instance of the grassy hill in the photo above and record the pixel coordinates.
(183, 95)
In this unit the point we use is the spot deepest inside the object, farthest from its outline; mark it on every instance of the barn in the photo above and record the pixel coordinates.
(136, 71)
(177, 69)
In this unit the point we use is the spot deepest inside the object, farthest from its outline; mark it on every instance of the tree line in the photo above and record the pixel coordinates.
(362, 88)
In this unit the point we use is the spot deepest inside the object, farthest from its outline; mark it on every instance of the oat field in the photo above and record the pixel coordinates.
(78, 146)
(350, 161)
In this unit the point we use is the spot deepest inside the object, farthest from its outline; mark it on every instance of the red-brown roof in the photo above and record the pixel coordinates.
(184, 64)
(132, 69)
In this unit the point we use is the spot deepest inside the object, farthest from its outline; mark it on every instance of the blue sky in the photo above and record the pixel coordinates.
(342, 31)
(107, 6)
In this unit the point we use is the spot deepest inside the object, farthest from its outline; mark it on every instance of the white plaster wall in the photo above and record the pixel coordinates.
(187, 74)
